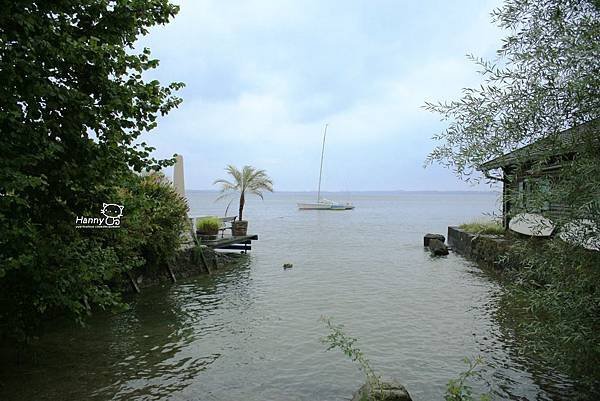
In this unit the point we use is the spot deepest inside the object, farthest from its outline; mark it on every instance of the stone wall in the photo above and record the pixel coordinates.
(485, 249)
(186, 264)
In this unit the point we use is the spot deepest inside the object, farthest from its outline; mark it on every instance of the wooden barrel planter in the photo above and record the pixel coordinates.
(207, 235)
(239, 228)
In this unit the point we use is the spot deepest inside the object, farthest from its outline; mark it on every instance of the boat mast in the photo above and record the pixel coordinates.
(321, 170)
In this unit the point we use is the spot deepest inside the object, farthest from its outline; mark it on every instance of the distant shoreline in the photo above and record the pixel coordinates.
(384, 192)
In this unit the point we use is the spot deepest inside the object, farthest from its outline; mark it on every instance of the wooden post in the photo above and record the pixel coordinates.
(171, 274)
(133, 283)
(204, 263)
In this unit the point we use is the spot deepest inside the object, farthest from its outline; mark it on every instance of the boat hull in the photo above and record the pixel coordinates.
(531, 224)
(325, 206)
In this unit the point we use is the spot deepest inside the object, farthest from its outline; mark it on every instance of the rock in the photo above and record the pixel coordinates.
(429, 237)
(437, 247)
(287, 265)
(392, 391)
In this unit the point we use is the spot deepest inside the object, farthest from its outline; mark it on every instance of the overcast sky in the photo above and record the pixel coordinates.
(263, 77)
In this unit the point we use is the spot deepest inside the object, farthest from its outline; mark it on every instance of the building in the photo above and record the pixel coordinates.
(528, 173)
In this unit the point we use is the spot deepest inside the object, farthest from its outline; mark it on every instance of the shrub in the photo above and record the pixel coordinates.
(337, 338)
(459, 390)
(456, 389)
(554, 304)
(156, 217)
(68, 271)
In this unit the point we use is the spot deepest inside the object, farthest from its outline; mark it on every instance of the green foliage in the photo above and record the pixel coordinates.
(73, 277)
(337, 338)
(156, 218)
(553, 304)
(456, 389)
(248, 180)
(546, 78)
(208, 224)
(73, 109)
(483, 227)
(459, 390)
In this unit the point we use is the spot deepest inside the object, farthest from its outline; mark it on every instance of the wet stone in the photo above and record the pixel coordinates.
(392, 391)
(437, 247)
(429, 237)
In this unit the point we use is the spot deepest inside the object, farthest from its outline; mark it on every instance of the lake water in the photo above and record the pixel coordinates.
(252, 332)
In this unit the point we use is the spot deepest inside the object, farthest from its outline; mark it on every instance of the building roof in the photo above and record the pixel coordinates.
(564, 142)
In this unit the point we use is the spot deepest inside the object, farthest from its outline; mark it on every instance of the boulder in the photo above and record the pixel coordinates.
(437, 247)
(429, 237)
(392, 391)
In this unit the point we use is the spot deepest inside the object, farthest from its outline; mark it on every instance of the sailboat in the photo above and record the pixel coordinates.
(324, 204)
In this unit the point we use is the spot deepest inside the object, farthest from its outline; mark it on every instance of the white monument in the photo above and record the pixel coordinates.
(178, 181)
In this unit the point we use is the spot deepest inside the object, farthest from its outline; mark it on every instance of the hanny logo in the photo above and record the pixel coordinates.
(111, 217)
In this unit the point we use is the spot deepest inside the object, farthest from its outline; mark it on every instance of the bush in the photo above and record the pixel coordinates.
(156, 217)
(456, 390)
(459, 389)
(68, 271)
(554, 304)
(337, 338)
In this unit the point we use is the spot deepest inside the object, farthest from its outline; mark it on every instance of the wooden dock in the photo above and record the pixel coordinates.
(243, 243)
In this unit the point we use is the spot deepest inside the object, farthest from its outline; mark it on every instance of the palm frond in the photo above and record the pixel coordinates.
(224, 183)
(248, 179)
(257, 193)
(224, 195)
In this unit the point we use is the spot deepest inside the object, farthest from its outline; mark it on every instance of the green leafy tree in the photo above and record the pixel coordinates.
(73, 105)
(247, 180)
(545, 79)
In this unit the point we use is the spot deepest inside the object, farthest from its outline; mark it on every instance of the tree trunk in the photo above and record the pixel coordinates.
(242, 201)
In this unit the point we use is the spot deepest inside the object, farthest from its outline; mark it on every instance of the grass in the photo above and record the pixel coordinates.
(208, 224)
(483, 227)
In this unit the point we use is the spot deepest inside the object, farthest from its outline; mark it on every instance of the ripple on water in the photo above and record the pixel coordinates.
(253, 332)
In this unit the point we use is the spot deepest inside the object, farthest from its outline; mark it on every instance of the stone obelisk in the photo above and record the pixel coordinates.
(178, 181)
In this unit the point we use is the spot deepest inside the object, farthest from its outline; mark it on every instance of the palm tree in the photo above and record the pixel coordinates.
(248, 180)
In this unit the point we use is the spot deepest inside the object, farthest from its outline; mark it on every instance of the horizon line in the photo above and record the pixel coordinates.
(368, 190)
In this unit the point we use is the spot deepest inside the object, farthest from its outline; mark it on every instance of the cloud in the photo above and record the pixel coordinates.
(263, 77)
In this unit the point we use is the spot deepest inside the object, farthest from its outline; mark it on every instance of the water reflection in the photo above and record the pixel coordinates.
(252, 332)
(149, 352)
(555, 385)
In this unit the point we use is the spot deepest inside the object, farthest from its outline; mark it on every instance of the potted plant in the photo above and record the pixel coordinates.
(247, 180)
(208, 227)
